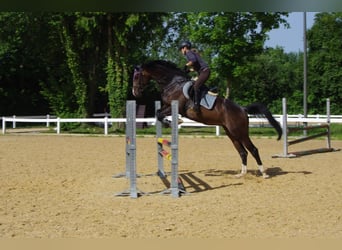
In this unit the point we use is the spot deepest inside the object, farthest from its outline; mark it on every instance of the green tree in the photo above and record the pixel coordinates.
(229, 39)
(99, 50)
(79, 62)
(22, 63)
(132, 38)
(325, 61)
(269, 77)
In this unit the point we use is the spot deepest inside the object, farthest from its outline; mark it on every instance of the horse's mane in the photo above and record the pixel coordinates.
(170, 66)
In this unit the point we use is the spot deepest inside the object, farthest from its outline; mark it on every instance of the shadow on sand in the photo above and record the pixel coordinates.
(193, 183)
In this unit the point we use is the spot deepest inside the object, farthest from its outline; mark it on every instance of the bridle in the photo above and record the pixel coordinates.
(138, 73)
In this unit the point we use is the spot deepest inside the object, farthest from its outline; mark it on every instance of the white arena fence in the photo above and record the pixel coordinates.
(106, 122)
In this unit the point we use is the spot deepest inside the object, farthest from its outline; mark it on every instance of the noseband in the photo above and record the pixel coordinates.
(138, 72)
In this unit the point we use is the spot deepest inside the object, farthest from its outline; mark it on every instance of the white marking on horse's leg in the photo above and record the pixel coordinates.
(243, 171)
(261, 169)
(167, 121)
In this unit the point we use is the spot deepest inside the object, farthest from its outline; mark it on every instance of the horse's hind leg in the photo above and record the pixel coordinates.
(242, 152)
(255, 152)
(243, 155)
(241, 146)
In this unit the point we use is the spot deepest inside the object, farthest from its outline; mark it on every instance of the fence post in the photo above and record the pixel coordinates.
(47, 120)
(328, 122)
(58, 125)
(3, 125)
(106, 125)
(217, 130)
(14, 123)
(285, 146)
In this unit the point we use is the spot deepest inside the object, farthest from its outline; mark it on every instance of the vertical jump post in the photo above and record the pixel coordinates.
(161, 172)
(287, 130)
(176, 187)
(131, 172)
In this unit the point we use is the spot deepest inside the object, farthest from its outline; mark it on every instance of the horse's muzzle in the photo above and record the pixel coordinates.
(136, 91)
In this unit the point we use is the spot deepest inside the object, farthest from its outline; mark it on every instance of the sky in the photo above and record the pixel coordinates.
(291, 39)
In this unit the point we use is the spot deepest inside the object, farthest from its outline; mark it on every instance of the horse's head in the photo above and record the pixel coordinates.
(163, 72)
(140, 80)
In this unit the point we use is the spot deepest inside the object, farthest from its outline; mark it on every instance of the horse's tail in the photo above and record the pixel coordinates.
(259, 108)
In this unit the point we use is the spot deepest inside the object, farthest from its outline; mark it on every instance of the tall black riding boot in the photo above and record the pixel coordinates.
(197, 100)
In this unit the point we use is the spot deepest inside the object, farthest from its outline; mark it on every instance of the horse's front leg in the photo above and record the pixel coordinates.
(162, 113)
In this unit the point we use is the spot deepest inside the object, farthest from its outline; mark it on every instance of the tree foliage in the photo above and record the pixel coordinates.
(269, 77)
(79, 63)
(22, 62)
(229, 39)
(325, 62)
(82, 60)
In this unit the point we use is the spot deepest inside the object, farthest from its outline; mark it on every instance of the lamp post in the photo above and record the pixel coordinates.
(305, 107)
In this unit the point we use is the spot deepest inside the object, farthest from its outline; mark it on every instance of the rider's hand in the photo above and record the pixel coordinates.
(186, 69)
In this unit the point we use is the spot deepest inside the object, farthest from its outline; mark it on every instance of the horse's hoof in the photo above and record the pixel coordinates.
(239, 175)
(265, 176)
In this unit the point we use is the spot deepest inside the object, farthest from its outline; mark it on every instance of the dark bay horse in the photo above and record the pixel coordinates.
(232, 117)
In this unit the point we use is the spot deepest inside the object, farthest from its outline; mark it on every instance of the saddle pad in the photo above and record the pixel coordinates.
(207, 101)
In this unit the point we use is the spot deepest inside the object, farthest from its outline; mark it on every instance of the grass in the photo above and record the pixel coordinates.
(336, 131)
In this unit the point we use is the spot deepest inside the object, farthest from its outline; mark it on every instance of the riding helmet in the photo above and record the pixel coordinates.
(185, 44)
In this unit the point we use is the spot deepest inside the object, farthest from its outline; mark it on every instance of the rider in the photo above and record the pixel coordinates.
(200, 66)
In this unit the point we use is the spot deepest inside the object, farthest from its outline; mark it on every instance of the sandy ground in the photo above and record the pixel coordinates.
(62, 186)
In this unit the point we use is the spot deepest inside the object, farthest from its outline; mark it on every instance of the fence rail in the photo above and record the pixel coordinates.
(106, 121)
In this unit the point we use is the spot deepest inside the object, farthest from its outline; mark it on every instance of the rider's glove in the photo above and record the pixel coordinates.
(186, 69)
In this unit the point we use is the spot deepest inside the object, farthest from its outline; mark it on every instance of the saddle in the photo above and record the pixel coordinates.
(208, 96)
